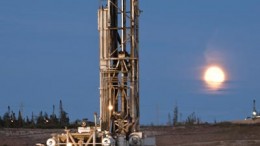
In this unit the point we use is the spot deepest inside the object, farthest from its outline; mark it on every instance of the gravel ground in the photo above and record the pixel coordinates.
(218, 135)
(201, 135)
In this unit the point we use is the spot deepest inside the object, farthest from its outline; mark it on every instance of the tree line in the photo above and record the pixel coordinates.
(45, 120)
(191, 119)
(42, 120)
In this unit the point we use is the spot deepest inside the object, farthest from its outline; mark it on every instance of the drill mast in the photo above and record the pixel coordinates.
(118, 26)
(119, 65)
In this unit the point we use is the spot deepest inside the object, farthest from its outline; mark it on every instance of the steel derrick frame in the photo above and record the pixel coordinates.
(119, 65)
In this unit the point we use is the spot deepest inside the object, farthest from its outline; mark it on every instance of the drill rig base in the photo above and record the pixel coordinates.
(95, 137)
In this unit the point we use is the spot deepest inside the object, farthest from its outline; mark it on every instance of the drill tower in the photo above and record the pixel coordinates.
(119, 82)
(119, 65)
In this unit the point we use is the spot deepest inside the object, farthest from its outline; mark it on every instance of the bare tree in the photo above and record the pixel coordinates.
(175, 115)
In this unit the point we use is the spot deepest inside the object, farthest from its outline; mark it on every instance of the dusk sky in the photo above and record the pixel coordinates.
(49, 51)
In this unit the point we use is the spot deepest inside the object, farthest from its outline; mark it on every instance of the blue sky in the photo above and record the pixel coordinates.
(49, 51)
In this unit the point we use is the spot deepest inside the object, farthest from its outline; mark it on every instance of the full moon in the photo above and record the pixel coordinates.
(214, 77)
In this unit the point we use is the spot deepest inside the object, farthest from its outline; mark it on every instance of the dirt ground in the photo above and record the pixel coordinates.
(208, 135)
(25, 137)
(200, 135)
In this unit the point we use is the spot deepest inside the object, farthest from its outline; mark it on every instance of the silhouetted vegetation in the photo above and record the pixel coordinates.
(174, 119)
(175, 116)
(192, 119)
(42, 120)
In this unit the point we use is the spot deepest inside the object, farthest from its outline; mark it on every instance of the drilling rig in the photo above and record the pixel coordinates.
(119, 64)
(118, 26)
